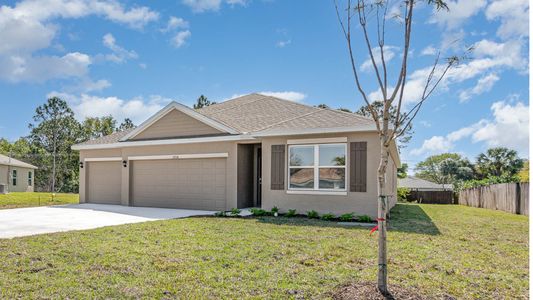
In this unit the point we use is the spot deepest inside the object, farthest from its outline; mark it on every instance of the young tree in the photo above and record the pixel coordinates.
(378, 107)
(389, 125)
(55, 130)
(498, 161)
(446, 168)
(202, 102)
(127, 124)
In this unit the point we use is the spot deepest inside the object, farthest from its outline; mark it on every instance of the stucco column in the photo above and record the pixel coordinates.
(83, 181)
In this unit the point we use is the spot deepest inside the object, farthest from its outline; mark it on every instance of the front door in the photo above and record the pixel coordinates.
(259, 179)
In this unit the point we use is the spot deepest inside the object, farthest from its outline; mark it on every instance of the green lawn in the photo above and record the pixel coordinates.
(15, 200)
(438, 250)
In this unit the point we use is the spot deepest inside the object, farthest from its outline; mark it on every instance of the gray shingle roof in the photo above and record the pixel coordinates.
(7, 161)
(412, 182)
(256, 112)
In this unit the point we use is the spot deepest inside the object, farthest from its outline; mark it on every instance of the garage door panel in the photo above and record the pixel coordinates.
(191, 183)
(104, 182)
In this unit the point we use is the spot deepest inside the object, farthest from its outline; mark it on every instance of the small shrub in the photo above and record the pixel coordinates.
(328, 217)
(365, 219)
(402, 194)
(221, 214)
(274, 209)
(291, 213)
(257, 212)
(312, 214)
(346, 217)
(235, 212)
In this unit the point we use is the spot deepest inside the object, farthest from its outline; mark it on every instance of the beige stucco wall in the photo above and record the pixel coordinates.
(198, 148)
(359, 203)
(22, 178)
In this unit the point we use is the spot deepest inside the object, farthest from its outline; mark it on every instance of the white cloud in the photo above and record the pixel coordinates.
(459, 11)
(119, 54)
(283, 43)
(287, 95)
(41, 68)
(484, 84)
(180, 38)
(388, 54)
(429, 50)
(509, 116)
(513, 14)
(174, 23)
(210, 5)
(137, 109)
(27, 27)
(487, 56)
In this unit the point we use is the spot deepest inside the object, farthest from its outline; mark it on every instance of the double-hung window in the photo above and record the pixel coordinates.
(320, 167)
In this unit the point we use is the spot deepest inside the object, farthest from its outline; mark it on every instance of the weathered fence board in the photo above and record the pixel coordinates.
(509, 197)
(431, 197)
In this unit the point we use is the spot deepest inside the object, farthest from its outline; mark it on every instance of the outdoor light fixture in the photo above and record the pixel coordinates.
(125, 163)
(81, 164)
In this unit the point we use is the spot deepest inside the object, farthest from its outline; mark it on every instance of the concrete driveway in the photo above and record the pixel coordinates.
(46, 219)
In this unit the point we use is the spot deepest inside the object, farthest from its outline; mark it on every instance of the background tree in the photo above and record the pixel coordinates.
(127, 124)
(498, 161)
(55, 130)
(92, 128)
(446, 168)
(524, 172)
(322, 105)
(202, 102)
(402, 171)
(390, 124)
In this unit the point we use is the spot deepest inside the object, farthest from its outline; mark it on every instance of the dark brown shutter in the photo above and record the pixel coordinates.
(358, 167)
(277, 170)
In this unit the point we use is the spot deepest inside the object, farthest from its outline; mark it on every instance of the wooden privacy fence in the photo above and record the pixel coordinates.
(509, 197)
(431, 197)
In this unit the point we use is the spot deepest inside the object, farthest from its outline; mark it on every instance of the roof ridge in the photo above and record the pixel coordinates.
(288, 120)
(233, 99)
(349, 113)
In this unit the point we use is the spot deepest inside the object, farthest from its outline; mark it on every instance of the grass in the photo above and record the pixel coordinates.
(16, 200)
(440, 250)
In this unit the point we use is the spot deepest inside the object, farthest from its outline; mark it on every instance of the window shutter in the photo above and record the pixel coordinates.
(277, 170)
(358, 167)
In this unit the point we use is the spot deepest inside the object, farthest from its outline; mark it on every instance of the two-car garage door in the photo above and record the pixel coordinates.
(171, 183)
(179, 183)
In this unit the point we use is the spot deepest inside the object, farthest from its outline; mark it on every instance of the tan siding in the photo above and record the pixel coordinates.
(176, 124)
(22, 179)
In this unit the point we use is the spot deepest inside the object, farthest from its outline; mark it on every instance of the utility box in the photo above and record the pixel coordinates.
(3, 189)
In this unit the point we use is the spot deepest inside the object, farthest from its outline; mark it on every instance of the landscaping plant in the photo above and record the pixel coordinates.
(312, 214)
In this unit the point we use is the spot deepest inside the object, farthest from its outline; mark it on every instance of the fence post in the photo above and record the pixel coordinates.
(518, 200)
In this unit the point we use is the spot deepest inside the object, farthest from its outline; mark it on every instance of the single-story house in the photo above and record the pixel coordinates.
(16, 175)
(419, 184)
(251, 151)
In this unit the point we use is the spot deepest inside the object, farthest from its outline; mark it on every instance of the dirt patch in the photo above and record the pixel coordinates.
(369, 291)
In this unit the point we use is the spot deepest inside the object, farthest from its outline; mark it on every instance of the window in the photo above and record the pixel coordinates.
(29, 178)
(317, 167)
(14, 177)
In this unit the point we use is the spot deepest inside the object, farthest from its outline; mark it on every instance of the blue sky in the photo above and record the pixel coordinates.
(130, 58)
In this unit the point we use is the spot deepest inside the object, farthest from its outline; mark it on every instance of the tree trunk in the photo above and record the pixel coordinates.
(54, 153)
(382, 221)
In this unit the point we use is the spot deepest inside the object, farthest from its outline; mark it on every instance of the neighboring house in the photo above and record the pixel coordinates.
(251, 151)
(418, 184)
(16, 175)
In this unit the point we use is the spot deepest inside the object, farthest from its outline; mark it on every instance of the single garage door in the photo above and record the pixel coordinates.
(180, 183)
(104, 182)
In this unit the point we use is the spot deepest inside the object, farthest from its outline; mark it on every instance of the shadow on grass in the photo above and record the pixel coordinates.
(404, 218)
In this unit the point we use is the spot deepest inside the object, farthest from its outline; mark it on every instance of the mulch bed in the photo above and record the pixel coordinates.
(369, 291)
